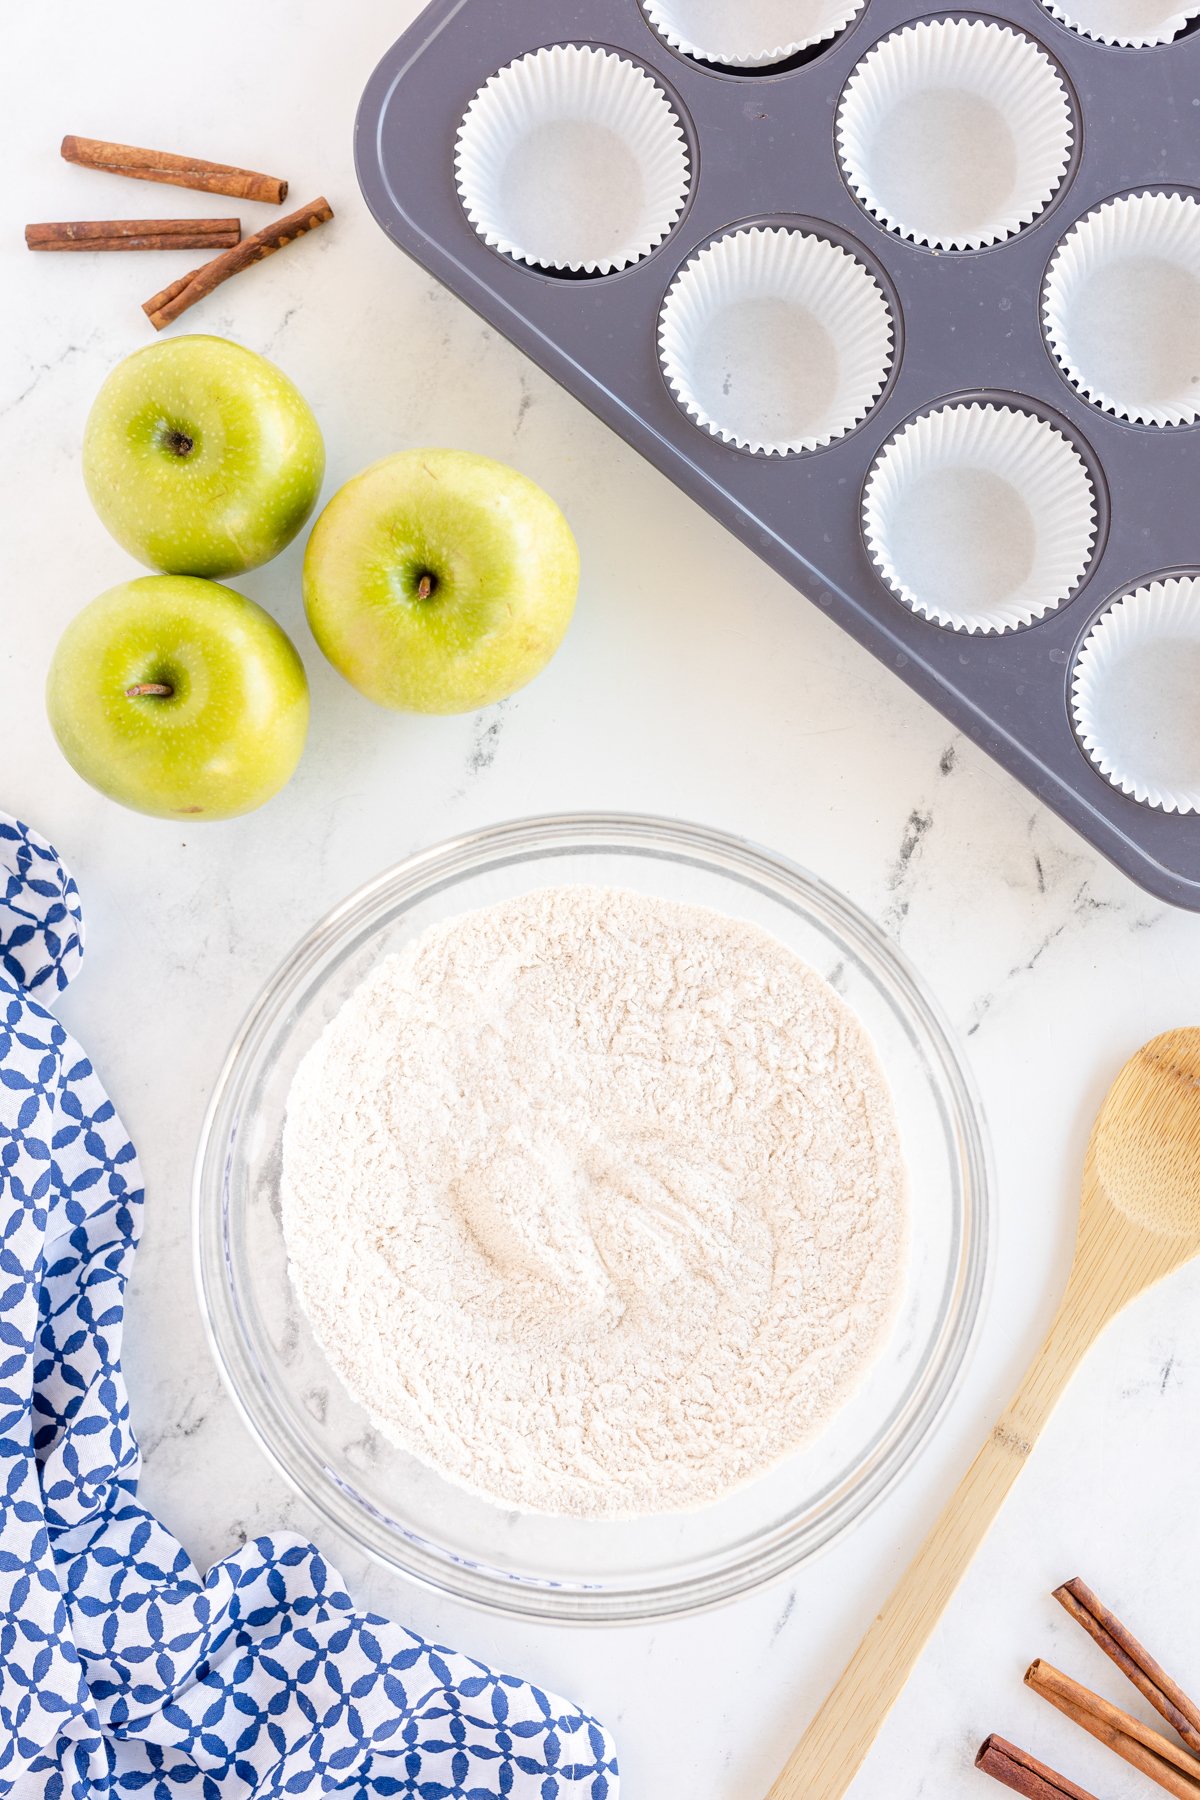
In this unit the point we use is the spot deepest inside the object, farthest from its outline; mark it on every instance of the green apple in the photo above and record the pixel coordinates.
(179, 697)
(201, 457)
(439, 581)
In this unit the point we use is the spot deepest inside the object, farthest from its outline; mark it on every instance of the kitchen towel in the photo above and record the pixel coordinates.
(122, 1670)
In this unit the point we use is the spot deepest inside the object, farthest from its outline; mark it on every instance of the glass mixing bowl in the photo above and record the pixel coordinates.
(414, 1520)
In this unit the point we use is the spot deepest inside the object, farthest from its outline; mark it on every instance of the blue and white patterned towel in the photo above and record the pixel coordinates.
(122, 1672)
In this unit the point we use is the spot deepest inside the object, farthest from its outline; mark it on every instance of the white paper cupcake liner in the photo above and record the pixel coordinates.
(1131, 24)
(752, 34)
(775, 340)
(572, 158)
(955, 133)
(1122, 308)
(1135, 694)
(980, 517)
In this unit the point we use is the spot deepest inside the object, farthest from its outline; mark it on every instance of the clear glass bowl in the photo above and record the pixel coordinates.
(412, 1519)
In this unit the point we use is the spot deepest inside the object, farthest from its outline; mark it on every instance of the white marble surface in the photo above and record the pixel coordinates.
(694, 682)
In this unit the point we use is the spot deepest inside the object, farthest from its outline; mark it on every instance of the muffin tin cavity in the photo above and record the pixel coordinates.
(1130, 24)
(1135, 694)
(753, 34)
(980, 517)
(572, 159)
(776, 339)
(1121, 307)
(955, 133)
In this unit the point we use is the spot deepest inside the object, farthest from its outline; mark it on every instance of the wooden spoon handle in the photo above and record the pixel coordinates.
(832, 1750)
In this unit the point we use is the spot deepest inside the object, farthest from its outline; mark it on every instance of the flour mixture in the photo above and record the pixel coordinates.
(595, 1201)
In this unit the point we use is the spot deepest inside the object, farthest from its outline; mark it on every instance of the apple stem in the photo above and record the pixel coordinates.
(159, 689)
(425, 587)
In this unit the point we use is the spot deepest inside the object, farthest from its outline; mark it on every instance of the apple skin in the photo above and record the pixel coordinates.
(241, 491)
(231, 732)
(503, 566)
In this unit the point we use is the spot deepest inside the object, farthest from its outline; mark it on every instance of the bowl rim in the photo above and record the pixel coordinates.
(714, 1579)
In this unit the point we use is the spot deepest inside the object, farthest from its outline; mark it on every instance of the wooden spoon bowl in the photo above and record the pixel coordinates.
(1139, 1220)
(1145, 1146)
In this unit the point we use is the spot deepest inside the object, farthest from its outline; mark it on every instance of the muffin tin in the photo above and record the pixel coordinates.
(767, 247)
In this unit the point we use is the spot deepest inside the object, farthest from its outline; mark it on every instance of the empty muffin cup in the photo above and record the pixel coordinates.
(980, 517)
(1121, 308)
(1132, 24)
(572, 158)
(751, 35)
(1135, 694)
(776, 340)
(955, 133)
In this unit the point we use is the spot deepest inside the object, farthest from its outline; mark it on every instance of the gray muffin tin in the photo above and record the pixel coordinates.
(762, 149)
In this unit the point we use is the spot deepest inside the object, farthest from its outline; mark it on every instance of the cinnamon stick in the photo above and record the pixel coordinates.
(134, 234)
(1134, 1661)
(1172, 1767)
(179, 295)
(1017, 1770)
(1050, 1682)
(167, 294)
(175, 171)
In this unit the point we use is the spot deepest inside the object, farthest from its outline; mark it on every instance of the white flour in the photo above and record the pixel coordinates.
(595, 1202)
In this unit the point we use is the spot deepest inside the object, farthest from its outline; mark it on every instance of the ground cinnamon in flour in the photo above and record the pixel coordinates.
(595, 1201)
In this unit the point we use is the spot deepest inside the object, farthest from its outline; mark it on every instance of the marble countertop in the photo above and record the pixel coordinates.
(694, 682)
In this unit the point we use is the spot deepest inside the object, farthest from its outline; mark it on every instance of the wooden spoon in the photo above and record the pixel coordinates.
(1139, 1220)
